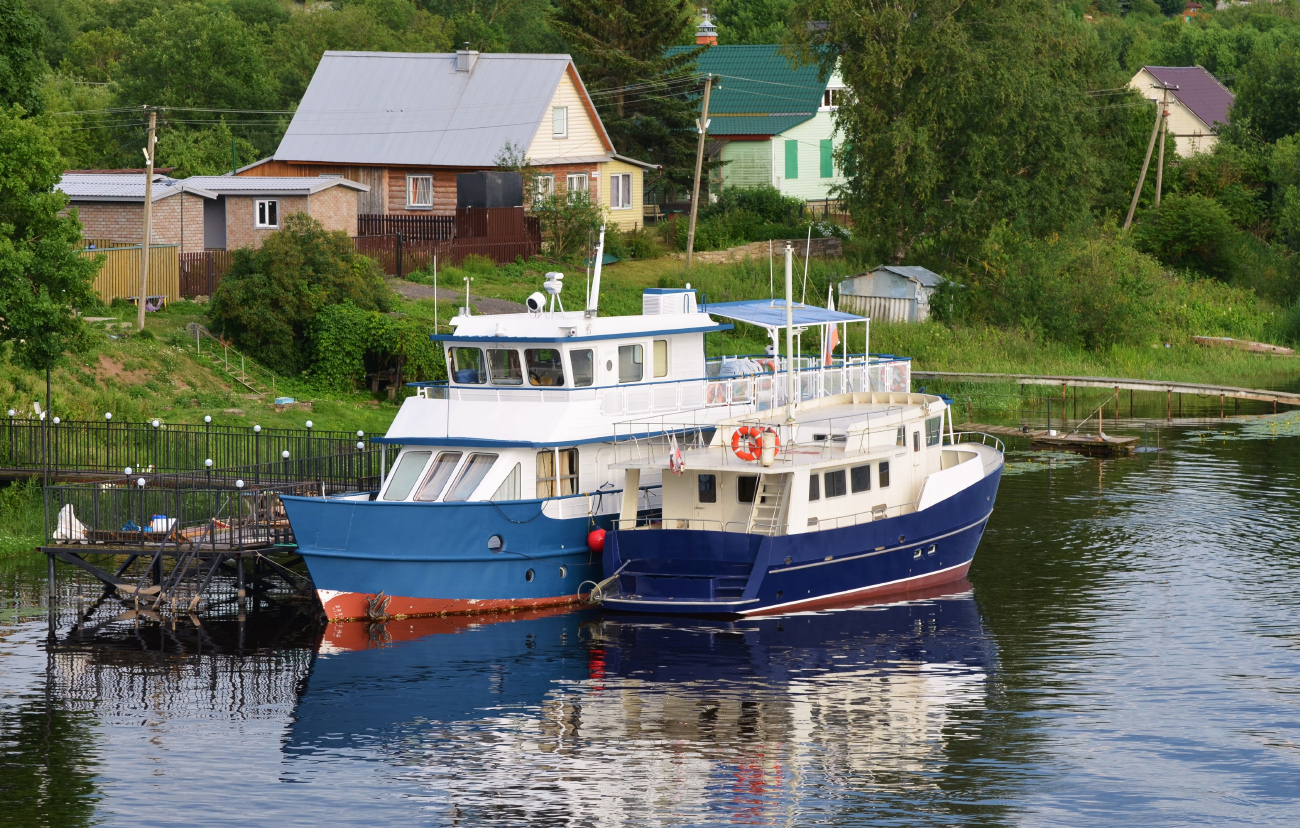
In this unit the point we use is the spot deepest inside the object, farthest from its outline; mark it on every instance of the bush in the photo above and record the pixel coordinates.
(1190, 231)
(269, 298)
(633, 244)
(569, 221)
(764, 202)
(347, 342)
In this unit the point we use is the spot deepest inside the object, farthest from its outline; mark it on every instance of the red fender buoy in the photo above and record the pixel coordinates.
(596, 540)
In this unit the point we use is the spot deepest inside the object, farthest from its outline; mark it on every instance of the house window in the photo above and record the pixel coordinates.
(661, 358)
(551, 484)
(791, 160)
(268, 213)
(631, 363)
(419, 191)
(545, 186)
(560, 122)
(575, 183)
(833, 98)
(827, 158)
(620, 191)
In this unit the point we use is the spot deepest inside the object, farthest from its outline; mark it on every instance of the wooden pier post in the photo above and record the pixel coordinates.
(1169, 404)
(50, 585)
(1130, 403)
(1221, 398)
(1180, 405)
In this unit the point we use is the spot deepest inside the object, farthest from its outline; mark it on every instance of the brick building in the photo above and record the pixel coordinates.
(213, 212)
(405, 125)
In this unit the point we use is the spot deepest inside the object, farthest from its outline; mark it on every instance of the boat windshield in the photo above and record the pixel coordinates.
(545, 366)
(404, 476)
(504, 366)
(476, 468)
(438, 476)
(584, 369)
(467, 366)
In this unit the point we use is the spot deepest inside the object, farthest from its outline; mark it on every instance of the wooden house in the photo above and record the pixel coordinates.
(1197, 103)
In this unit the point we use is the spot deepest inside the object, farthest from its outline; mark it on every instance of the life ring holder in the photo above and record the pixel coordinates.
(747, 442)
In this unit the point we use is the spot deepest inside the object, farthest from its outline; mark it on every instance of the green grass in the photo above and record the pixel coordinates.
(22, 518)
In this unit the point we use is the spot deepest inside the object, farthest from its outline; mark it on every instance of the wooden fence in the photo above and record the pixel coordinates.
(412, 228)
(119, 276)
(200, 272)
(401, 257)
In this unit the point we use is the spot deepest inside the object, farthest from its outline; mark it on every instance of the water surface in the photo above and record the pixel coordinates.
(1124, 652)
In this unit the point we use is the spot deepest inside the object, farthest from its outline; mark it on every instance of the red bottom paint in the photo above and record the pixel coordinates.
(363, 606)
(903, 590)
(348, 635)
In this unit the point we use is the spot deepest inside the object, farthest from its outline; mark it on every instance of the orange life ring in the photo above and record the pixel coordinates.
(747, 442)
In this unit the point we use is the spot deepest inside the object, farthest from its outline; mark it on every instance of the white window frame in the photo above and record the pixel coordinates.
(411, 203)
(545, 185)
(577, 183)
(559, 122)
(620, 191)
(835, 92)
(259, 205)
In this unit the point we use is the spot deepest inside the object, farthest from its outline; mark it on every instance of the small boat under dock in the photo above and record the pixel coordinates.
(1096, 445)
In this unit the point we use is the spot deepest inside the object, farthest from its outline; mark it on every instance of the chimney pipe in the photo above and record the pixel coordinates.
(707, 33)
(465, 60)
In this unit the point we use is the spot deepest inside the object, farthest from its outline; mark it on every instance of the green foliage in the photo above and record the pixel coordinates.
(42, 277)
(267, 301)
(22, 517)
(765, 202)
(621, 44)
(20, 56)
(95, 56)
(348, 342)
(202, 152)
(751, 21)
(569, 221)
(748, 214)
(1268, 91)
(641, 243)
(1190, 231)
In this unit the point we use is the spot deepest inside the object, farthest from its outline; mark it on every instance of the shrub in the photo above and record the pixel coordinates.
(568, 221)
(347, 342)
(764, 202)
(270, 296)
(1190, 231)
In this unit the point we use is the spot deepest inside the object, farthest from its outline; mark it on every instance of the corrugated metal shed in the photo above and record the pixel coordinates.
(260, 185)
(1198, 90)
(891, 293)
(121, 187)
(760, 92)
(415, 109)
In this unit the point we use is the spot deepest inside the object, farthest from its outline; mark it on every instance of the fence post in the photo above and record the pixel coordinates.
(209, 259)
(399, 255)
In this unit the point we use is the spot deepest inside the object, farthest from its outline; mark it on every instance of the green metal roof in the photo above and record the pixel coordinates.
(761, 92)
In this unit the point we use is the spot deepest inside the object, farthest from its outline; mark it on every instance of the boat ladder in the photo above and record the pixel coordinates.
(765, 515)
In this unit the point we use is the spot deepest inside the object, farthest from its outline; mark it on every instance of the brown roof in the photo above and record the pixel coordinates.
(1198, 90)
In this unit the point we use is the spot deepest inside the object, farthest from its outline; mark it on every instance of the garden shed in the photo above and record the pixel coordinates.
(890, 293)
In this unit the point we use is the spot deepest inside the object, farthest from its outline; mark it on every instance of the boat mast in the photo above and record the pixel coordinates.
(593, 298)
(789, 328)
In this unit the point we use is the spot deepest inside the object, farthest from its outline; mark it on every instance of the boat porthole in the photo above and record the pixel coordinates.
(930, 551)
(609, 365)
(779, 594)
(901, 538)
(495, 544)
(528, 576)
(564, 571)
(787, 560)
(917, 553)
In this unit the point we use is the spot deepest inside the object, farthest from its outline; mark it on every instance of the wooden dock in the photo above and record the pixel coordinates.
(1119, 384)
(1097, 445)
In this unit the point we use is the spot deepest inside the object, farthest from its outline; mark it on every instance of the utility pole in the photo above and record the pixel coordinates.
(148, 219)
(1164, 130)
(703, 126)
(1146, 162)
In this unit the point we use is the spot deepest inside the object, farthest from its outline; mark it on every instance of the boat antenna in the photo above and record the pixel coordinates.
(789, 330)
(593, 298)
(771, 273)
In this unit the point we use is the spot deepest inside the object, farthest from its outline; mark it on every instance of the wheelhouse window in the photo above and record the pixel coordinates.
(557, 472)
(584, 367)
(631, 363)
(882, 475)
(404, 476)
(268, 214)
(814, 487)
(467, 366)
(860, 478)
(933, 431)
(620, 191)
(835, 483)
(746, 488)
(559, 122)
(707, 488)
(436, 480)
(545, 366)
(661, 358)
(503, 365)
(419, 192)
(476, 468)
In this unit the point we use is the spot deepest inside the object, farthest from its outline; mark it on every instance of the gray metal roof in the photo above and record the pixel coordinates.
(415, 109)
(122, 187)
(269, 185)
(926, 278)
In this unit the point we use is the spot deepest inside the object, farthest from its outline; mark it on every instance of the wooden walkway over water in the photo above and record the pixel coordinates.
(1120, 384)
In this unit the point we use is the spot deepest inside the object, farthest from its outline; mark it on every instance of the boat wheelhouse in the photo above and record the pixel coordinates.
(834, 499)
(507, 467)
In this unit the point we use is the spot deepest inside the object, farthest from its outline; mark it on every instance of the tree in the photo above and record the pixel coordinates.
(751, 21)
(1268, 91)
(21, 66)
(269, 298)
(643, 94)
(961, 115)
(202, 151)
(42, 276)
(1190, 231)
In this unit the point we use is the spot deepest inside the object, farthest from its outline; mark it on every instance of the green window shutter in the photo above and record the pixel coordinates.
(828, 166)
(791, 160)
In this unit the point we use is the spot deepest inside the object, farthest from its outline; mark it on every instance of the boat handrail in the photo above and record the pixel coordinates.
(875, 513)
(984, 439)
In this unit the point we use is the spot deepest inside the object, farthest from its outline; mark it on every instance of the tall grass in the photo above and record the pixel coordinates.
(22, 518)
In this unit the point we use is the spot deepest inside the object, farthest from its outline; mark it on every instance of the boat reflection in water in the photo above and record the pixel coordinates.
(582, 716)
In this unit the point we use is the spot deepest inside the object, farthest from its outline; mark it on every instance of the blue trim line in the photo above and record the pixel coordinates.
(475, 442)
(661, 291)
(605, 337)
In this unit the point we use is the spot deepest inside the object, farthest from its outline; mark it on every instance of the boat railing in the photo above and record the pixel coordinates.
(874, 513)
(959, 437)
(815, 524)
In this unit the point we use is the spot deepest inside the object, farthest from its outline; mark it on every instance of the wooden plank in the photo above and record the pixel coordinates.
(1111, 383)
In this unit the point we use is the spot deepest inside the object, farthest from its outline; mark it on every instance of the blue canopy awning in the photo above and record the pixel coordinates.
(771, 314)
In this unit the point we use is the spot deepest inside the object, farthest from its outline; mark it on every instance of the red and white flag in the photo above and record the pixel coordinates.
(675, 461)
(834, 339)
